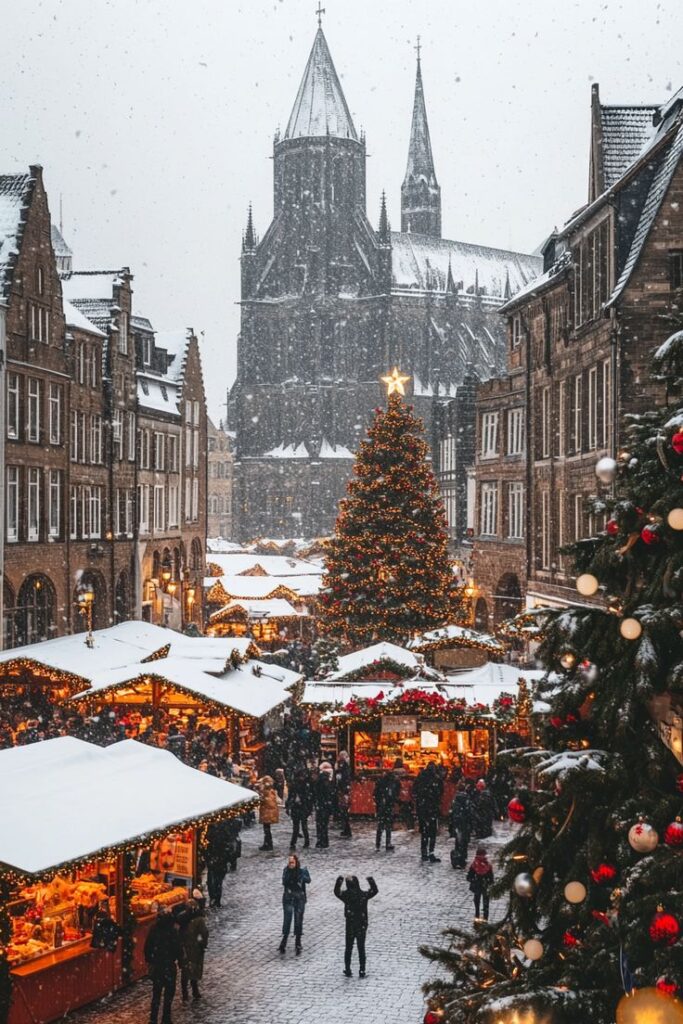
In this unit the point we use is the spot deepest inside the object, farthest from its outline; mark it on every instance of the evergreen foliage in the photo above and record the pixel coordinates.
(388, 573)
(605, 769)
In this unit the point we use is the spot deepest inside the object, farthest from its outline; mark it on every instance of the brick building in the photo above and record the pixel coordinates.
(69, 529)
(220, 482)
(580, 344)
(329, 304)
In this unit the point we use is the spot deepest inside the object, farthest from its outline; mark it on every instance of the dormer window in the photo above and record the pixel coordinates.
(146, 349)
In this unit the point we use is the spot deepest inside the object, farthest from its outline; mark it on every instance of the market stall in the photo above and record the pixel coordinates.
(457, 647)
(268, 621)
(88, 853)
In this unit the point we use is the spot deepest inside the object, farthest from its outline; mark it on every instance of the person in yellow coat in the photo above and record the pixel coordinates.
(269, 810)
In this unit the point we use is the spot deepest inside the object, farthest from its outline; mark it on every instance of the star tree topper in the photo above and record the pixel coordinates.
(395, 382)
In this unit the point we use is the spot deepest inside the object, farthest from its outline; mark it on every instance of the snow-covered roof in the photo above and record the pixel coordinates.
(219, 546)
(158, 394)
(176, 344)
(324, 692)
(15, 190)
(264, 586)
(268, 608)
(287, 451)
(59, 246)
(240, 562)
(320, 107)
(484, 684)
(74, 318)
(367, 656)
(239, 689)
(420, 262)
(91, 285)
(336, 451)
(625, 130)
(63, 800)
(461, 637)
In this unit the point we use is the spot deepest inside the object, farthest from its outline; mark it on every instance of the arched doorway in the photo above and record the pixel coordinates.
(481, 615)
(122, 598)
(508, 598)
(93, 582)
(35, 611)
(197, 556)
(9, 614)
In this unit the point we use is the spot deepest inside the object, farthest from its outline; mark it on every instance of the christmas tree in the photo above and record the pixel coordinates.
(594, 876)
(388, 575)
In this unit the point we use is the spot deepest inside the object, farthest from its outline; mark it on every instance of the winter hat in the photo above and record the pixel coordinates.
(325, 766)
(481, 784)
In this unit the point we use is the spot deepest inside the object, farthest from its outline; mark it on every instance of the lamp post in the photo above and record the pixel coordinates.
(86, 599)
(471, 593)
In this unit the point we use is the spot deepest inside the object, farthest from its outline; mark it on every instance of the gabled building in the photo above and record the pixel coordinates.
(330, 303)
(580, 343)
(220, 482)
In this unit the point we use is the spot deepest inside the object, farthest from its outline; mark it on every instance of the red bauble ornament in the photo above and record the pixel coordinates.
(516, 810)
(665, 984)
(603, 873)
(650, 535)
(677, 442)
(612, 527)
(673, 834)
(569, 940)
(664, 928)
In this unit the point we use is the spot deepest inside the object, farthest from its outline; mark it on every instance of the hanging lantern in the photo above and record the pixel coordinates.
(587, 584)
(675, 519)
(642, 837)
(575, 892)
(533, 949)
(630, 629)
(673, 834)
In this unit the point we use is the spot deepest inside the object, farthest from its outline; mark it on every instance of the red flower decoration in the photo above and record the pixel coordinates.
(612, 527)
(673, 835)
(603, 873)
(664, 928)
(516, 810)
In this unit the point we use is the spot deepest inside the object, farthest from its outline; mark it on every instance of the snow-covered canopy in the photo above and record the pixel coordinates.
(240, 563)
(251, 689)
(456, 636)
(485, 684)
(325, 692)
(258, 611)
(368, 656)
(64, 800)
(260, 587)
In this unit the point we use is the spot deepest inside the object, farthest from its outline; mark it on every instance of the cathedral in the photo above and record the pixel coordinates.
(329, 304)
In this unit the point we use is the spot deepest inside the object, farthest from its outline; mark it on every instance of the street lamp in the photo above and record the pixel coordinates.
(86, 599)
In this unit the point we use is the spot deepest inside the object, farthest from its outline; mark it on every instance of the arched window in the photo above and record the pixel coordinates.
(197, 556)
(213, 506)
(219, 470)
(481, 615)
(93, 582)
(36, 610)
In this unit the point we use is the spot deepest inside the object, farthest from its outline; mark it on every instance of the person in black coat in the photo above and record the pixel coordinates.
(324, 802)
(460, 826)
(163, 953)
(343, 792)
(427, 791)
(387, 789)
(299, 806)
(218, 843)
(480, 877)
(355, 902)
(483, 811)
(295, 878)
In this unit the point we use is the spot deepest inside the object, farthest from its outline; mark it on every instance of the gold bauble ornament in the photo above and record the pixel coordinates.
(575, 892)
(630, 629)
(587, 584)
(649, 1006)
(675, 519)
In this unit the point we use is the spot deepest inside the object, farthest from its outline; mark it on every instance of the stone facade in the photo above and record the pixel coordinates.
(580, 345)
(220, 482)
(329, 304)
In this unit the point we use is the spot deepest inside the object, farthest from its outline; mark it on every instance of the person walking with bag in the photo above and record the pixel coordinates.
(163, 953)
(269, 810)
(460, 826)
(355, 902)
(387, 789)
(195, 939)
(295, 878)
(427, 791)
(480, 877)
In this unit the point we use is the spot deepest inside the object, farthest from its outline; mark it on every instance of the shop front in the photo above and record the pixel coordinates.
(88, 855)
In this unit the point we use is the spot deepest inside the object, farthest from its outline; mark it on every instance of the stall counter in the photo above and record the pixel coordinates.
(49, 986)
(362, 794)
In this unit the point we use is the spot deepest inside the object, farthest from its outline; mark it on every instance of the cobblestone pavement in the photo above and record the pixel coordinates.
(247, 981)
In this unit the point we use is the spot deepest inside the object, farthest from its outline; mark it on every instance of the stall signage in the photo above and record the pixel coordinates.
(435, 726)
(400, 723)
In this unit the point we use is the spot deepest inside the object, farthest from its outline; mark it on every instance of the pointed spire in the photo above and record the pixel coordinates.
(420, 192)
(507, 293)
(476, 280)
(320, 107)
(450, 282)
(249, 241)
(384, 228)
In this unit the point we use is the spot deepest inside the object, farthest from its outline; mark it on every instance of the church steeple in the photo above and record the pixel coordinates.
(320, 106)
(420, 192)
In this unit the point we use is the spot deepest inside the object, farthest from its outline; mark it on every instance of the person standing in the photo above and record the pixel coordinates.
(460, 826)
(299, 806)
(324, 800)
(195, 939)
(295, 878)
(163, 953)
(387, 789)
(427, 790)
(480, 877)
(355, 902)
(343, 787)
(269, 810)
(483, 811)
(217, 858)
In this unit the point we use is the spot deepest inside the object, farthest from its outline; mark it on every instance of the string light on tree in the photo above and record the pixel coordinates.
(675, 519)
(587, 584)
(630, 629)
(575, 892)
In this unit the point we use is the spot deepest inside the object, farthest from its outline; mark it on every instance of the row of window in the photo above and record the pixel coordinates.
(37, 524)
(577, 413)
(158, 451)
(35, 429)
(220, 470)
(159, 505)
(563, 520)
(490, 524)
(218, 505)
(514, 440)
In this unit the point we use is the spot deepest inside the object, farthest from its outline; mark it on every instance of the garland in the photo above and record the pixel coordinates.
(386, 666)
(423, 703)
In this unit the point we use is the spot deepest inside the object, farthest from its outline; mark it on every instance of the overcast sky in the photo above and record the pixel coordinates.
(154, 120)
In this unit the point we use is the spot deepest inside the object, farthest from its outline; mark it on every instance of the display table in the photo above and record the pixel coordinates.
(362, 794)
(50, 986)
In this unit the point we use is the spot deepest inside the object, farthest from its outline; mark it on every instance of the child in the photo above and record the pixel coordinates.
(480, 877)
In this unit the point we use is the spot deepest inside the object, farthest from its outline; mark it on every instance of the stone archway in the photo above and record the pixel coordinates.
(481, 615)
(92, 580)
(35, 611)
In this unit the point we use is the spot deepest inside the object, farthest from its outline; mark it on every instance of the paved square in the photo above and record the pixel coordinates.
(246, 979)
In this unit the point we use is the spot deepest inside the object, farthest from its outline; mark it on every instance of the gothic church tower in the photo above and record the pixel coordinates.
(420, 192)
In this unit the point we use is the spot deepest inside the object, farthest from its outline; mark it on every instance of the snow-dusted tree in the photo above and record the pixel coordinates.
(595, 873)
(387, 571)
